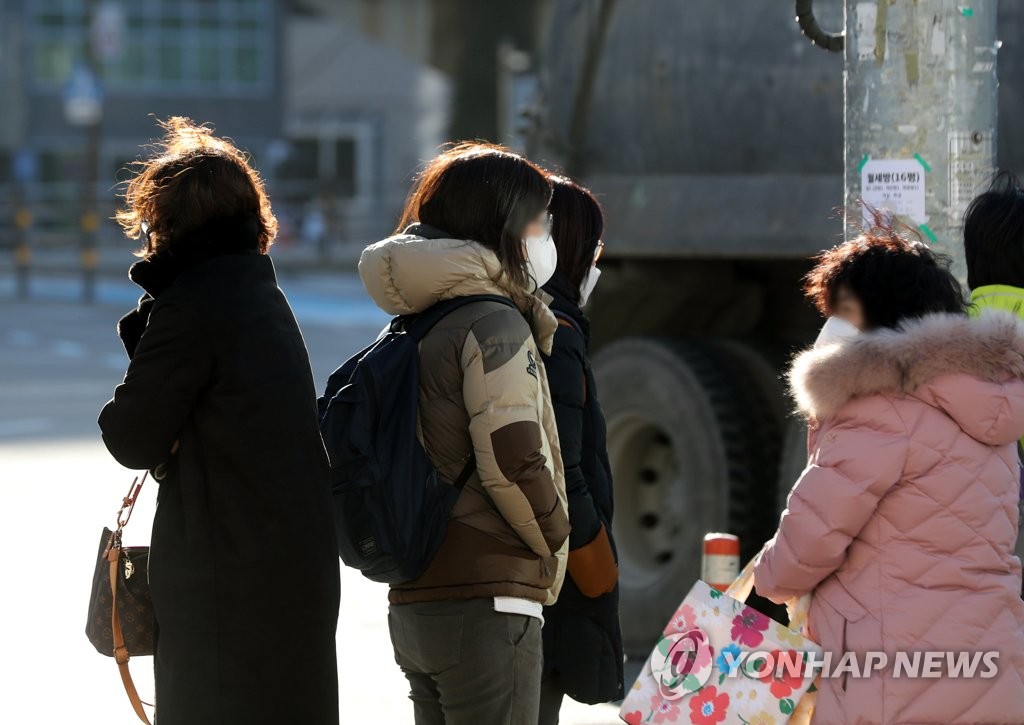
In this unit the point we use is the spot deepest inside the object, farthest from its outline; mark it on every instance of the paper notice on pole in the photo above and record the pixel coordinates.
(867, 17)
(894, 185)
(971, 165)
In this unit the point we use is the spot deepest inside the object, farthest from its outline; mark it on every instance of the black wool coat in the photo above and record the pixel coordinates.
(582, 638)
(244, 568)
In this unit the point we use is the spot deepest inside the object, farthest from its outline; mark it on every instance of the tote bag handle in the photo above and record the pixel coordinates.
(796, 608)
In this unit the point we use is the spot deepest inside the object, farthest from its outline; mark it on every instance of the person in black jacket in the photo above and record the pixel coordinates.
(582, 640)
(219, 403)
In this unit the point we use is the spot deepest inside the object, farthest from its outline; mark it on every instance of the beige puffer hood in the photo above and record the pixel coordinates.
(408, 273)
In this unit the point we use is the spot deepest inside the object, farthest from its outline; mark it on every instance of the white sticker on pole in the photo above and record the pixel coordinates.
(971, 164)
(893, 185)
(867, 17)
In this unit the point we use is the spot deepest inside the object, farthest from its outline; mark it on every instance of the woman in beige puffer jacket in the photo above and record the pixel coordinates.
(466, 633)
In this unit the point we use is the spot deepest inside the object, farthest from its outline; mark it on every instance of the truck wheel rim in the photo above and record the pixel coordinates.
(647, 514)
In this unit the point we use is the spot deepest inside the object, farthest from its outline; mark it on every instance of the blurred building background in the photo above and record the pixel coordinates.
(337, 101)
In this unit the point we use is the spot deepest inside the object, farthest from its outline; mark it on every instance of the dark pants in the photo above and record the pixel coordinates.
(551, 694)
(468, 664)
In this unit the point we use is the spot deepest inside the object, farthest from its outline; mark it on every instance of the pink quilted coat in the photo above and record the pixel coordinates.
(904, 522)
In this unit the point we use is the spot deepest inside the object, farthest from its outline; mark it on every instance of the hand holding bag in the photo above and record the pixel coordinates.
(717, 679)
(120, 609)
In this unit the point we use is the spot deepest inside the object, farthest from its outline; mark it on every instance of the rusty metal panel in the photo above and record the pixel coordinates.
(719, 215)
(695, 87)
(700, 98)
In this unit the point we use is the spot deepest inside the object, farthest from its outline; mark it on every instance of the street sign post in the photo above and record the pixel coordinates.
(83, 97)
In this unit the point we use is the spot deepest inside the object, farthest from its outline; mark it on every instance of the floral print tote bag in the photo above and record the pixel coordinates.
(720, 662)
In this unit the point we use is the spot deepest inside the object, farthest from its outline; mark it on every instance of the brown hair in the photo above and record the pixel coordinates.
(483, 192)
(192, 178)
(577, 225)
(894, 277)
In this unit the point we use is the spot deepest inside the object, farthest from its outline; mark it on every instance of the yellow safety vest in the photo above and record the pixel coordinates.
(1000, 297)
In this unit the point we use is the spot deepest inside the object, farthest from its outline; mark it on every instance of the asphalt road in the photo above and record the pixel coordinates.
(59, 361)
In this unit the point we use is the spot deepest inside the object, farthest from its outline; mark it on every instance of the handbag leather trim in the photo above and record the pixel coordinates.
(120, 651)
(113, 553)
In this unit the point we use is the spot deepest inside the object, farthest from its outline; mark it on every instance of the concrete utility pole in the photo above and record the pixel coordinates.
(920, 89)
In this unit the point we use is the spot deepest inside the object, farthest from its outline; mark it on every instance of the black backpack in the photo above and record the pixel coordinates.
(390, 506)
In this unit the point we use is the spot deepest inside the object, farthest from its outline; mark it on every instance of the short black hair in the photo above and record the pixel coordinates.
(484, 192)
(577, 225)
(994, 234)
(893, 277)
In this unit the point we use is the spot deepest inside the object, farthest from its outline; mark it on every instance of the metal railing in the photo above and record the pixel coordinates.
(48, 227)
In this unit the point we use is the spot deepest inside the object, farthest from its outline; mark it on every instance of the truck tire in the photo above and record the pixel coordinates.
(754, 515)
(760, 392)
(680, 452)
(794, 458)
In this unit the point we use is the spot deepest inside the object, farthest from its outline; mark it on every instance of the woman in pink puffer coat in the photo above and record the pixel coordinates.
(903, 523)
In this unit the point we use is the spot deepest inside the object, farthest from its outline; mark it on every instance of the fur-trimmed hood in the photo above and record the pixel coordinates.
(917, 360)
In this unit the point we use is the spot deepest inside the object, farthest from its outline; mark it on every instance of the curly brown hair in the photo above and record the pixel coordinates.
(894, 278)
(191, 179)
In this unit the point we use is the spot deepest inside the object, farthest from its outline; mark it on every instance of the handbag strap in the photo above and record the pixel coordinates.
(113, 557)
(120, 650)
(743, 583)
(128, 503)
(796, 608)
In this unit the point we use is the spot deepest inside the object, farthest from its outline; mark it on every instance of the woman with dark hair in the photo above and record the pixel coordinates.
(219, 403)
(582, 640)
(902, 525)
(994, 251)
(466, 632)
(994, 245)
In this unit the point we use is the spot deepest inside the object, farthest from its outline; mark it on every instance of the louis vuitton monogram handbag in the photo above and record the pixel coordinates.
(120, 609)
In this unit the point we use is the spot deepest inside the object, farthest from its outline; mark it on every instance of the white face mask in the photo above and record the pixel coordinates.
(541, 257)
(589, 283)
(835, 329)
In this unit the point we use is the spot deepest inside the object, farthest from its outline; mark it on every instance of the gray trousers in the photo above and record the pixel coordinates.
(468, 664)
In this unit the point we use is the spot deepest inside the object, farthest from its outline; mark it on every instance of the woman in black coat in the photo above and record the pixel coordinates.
(582, 639)
(219, 403)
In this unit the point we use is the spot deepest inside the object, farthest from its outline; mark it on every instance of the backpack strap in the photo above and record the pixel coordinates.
(417, 326)
(565, 320)
(467, 471)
